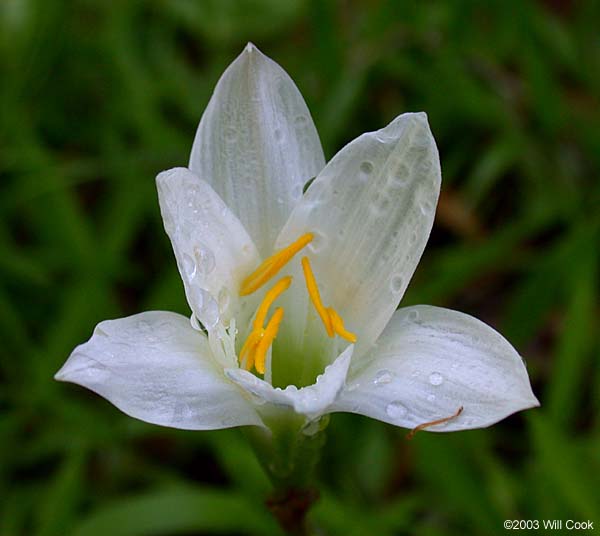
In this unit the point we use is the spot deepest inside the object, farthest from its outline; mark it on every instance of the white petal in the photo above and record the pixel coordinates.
(371, 210)
(431, 361)
(213, 250)
(257, 145)
(153, 366)
(312, 401)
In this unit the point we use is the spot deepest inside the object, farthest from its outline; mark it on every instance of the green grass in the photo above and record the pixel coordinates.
(96, 98)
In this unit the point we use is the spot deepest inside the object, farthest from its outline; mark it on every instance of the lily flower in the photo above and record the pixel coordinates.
(294, 289)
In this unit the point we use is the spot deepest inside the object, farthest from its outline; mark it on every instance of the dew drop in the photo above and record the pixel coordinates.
(383, 377)
(435, 378)
(380, 203)
(230, 134)
(318, 242)
(397, 284)
(224, 299)
(278, 133)
(413, 315)
(366, 167)
(189, 266)
(413, 238)
(400, 177)
(205, 259)
(208, 308)
(396, 410)
(426, 207)
(431, 398)
(301, 120)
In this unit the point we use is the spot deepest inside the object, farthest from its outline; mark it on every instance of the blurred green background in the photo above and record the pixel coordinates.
(97, 97)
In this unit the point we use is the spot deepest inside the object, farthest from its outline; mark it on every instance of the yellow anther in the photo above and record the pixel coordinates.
(257, 344)
(331, 319)
(272, 265)
(315, 297)
(338, 325)
(261, 313)
(247, 352)
(265, 342)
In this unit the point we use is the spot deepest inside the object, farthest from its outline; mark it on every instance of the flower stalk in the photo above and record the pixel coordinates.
(289, 453)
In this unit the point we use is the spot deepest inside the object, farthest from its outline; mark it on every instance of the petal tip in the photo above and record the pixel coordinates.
(166, 175)
(250, 47)
(60, 376)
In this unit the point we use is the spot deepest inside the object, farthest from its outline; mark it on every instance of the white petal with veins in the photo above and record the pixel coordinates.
(371, 210)
(431, 361)
(155, 367)
(213, 250)
(257, 145)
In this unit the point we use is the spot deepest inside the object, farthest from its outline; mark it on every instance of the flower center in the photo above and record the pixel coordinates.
(254, 351)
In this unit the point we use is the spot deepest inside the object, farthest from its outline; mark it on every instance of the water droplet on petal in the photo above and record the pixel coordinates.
(224, 299)
(413, 238)
(426, 207)
(301, 120)
(397, 284)
(380, 203)
(278, 133)
(189, 266)
(366, 167)
(399, 179)
(396, 410)
(435, 378)
(431, 398)
(205, 259)
(413, 315)
(230, 134)
(318, 242)
(383, 377)
(210, 313)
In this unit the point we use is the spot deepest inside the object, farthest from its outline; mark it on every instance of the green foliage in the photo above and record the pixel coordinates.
(97, 97)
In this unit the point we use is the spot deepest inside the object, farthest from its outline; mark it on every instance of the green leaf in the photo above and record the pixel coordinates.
(179, 511)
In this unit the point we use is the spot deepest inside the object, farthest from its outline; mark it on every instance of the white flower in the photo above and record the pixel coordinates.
(358, 232)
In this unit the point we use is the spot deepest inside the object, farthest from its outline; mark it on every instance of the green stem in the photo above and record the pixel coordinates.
(289, 456)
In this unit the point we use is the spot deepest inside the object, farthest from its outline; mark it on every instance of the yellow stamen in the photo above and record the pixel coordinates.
(249, 348)
(412, 433)
(250, 353)
(272, 265)
(338, 325)
(315, 297)
(331, 319)
(265, 342)
(261, 313)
